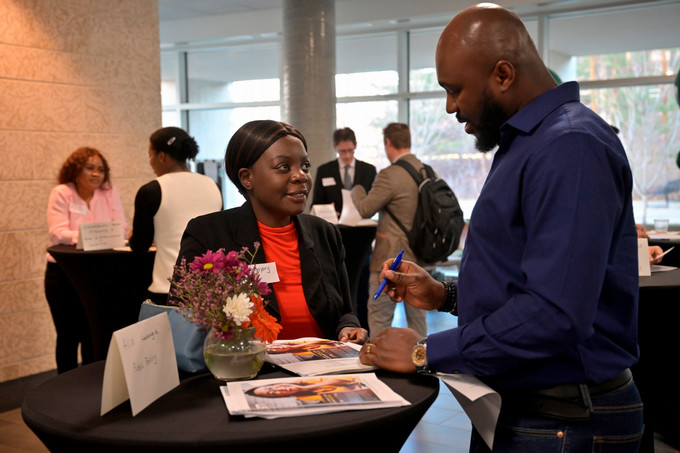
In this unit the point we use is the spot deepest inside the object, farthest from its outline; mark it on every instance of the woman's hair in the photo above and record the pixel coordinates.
(250, 141)
(174, 142)
(77, 161)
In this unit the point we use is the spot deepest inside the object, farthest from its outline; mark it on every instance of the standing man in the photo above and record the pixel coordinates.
(394, 188)
(342, 173)
(548, 285)
(331, 178)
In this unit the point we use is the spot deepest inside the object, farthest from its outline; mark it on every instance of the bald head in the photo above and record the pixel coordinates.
(490, 42)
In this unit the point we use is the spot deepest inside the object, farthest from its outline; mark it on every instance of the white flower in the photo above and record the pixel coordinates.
(238, 308)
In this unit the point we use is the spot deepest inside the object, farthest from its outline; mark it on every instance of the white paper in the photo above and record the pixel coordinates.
(100, 236)
(140, 365)
(479, 401)
(310, 356)
(337, 393)
(325, 211)
(268, 272)
(328, 181)
(350, 215)
(644, 269)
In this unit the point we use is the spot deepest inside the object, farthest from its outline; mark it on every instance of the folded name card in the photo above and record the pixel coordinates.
(140, 365)
(644, 268)
(100, 236)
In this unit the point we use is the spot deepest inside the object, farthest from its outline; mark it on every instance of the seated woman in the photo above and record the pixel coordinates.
(84, 195)
(267, 162)
(165, 205)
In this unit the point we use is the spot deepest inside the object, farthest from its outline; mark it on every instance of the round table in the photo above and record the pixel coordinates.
(654, 374)
(111, 284)
(64, 412)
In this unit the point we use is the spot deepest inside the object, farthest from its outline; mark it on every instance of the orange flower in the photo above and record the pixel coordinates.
(266, 327)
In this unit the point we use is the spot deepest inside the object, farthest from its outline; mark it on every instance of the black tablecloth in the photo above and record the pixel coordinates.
(658, 315)
(111, 284)
(64, 413)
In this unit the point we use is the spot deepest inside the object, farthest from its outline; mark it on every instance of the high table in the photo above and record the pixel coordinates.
(111, 285)
(658, 315)
(64, 413)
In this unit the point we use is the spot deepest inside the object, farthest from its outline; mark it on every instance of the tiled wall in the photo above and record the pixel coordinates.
(72, 73)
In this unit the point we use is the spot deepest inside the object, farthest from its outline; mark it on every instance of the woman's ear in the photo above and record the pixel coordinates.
(245, 176)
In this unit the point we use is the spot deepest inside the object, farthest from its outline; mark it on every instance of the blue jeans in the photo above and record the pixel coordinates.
(615, 425)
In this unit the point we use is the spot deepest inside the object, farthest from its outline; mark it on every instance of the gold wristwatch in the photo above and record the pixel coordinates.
(419, 356)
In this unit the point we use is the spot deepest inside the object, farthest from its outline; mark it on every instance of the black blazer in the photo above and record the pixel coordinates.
(322, 260)
(364, 175)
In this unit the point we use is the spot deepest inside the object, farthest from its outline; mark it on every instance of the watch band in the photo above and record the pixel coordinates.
(450, 304)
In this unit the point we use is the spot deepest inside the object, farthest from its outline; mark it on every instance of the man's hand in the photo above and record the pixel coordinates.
(391, 350)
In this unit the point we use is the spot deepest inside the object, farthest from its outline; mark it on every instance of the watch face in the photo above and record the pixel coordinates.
(419, 356)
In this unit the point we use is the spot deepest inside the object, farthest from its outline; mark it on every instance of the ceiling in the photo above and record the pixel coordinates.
(184, 21)
(183, 9)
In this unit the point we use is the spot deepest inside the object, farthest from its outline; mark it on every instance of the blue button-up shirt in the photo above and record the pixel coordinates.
(548, 283)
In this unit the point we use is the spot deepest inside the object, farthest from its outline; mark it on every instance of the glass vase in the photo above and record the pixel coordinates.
(240, 357)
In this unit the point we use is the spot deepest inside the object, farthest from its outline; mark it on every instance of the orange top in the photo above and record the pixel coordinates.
(281, 247)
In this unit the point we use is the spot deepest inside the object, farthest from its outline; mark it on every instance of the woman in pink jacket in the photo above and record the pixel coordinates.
(84, 195)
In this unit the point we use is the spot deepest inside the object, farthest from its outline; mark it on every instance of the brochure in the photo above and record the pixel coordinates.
(295, 396)
(312, 356)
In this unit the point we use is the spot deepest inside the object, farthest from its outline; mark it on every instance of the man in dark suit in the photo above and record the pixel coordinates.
(328, 185)
(344, 172)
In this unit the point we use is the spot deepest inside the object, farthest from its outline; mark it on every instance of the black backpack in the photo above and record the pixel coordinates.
(438, 221)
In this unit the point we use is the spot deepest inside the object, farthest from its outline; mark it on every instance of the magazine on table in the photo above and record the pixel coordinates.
(295, 396)
(312, 356)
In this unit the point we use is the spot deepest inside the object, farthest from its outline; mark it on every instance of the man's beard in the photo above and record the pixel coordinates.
(488, 133)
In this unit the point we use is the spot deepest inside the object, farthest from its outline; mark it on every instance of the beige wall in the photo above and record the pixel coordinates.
(72, 73)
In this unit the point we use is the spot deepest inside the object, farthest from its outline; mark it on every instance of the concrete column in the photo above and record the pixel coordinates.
(308, 82)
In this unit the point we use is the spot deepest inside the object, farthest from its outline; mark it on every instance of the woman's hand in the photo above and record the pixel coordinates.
(641, 231)
(353, 335)
(413, 284)
(655, 253)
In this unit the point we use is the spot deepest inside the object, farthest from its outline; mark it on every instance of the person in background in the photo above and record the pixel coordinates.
(394, 188)
(84, 195)
(268, 163)
(164, 206)
(547, 294)
(343, 172)
(655, 251)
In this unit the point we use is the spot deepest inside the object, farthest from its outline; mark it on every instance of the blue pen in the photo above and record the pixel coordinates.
(393, 267)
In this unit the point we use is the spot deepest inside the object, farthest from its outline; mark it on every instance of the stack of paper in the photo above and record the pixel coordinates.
(295, 396)
(312, 356)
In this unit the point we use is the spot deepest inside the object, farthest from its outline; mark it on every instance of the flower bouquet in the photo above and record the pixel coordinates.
(222, 294)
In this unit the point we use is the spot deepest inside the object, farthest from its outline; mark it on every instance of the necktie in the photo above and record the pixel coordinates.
(347, 182)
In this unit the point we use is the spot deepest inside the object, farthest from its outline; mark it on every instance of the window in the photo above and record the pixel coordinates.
(389, 75)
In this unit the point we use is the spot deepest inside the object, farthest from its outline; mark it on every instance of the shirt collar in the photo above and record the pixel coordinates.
(342, 164)
(532, 114)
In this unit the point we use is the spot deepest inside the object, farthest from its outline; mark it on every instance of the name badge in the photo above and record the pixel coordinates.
(268, 273)
(77, 208)
(330, 181)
